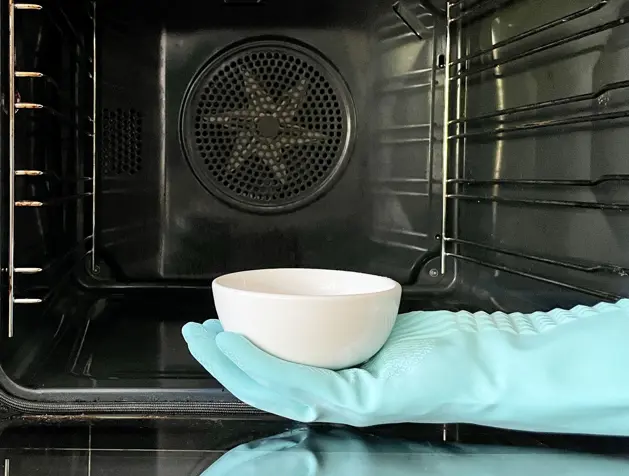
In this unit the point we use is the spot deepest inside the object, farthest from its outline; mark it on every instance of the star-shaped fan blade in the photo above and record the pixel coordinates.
(291, 101)
(235, 120)
(260, 99)
(271, 157)
(245, 146)
(294, 135)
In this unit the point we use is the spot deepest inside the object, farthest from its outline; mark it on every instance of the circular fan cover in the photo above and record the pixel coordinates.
(267, 126)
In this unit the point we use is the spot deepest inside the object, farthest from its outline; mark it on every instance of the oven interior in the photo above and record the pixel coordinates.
(471, 150)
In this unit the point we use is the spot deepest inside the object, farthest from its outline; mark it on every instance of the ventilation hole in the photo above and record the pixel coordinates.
(121, 152)
(270, 126)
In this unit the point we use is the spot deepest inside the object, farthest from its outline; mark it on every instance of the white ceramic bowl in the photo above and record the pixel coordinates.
(323, 318)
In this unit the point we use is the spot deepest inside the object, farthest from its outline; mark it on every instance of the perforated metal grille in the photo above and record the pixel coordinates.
(267, 126)
(121, 152)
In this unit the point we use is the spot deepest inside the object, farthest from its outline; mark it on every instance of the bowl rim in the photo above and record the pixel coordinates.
(394, 285)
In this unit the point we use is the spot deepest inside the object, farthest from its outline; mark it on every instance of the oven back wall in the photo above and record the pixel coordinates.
(178, 201)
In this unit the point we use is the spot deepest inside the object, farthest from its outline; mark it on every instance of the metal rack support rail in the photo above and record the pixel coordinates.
(13, 107)
(545, 46)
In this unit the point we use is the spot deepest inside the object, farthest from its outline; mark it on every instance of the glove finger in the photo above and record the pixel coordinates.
(310, 383)
(213, 326)
(201, 340)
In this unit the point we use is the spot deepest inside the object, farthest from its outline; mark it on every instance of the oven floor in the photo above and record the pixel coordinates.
(126, 343)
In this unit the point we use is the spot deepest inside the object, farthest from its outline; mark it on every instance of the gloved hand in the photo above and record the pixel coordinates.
(308, 452)
(561, 371)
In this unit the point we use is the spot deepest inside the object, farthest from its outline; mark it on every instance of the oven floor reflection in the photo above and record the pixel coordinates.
(275, 448)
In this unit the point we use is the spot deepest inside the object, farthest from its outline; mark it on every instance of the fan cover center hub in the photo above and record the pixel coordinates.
(268, 127)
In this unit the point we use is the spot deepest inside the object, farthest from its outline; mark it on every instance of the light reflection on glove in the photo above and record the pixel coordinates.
(561, 371)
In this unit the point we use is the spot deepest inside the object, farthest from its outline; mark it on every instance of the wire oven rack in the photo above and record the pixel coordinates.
(82, 126)
(463, 66)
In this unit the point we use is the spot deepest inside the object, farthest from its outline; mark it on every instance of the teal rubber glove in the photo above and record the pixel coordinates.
(560, 371)
(307, 452)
